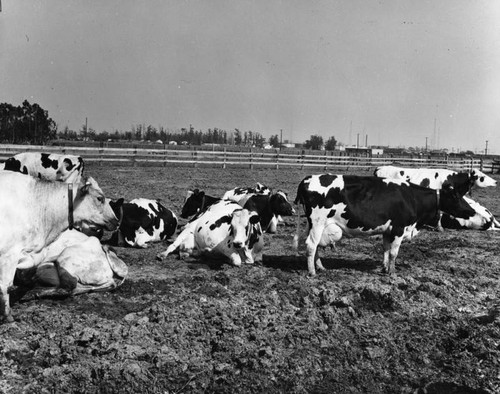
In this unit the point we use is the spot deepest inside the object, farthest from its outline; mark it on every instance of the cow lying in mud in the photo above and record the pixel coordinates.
(224, 229)
(73, 264)
(143, 221)
(355, 205)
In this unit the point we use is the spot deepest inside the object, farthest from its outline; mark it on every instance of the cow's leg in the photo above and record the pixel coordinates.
(247, 256)
(7, 272)
(312, 243)
(235, 258)
(391, 250)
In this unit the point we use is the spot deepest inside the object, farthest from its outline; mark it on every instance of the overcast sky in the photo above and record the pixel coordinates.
(398, 71)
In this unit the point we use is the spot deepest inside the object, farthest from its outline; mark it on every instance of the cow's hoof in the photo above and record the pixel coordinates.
(160, 256)
(7, 319)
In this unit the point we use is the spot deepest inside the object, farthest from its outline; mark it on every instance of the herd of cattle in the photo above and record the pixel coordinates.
(53, 218)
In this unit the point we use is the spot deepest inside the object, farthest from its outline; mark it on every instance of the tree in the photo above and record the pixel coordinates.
(274, 141)
(331, 143)
(237, 137)
(314, 143)
(26, 123)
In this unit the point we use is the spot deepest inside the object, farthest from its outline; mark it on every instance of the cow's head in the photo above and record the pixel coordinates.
(242, 225)
(193, 203)
(280, 204)
(91, 209)
(480, 179)
(452, 203)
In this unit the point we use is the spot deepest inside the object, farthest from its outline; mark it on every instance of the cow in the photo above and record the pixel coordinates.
(362, 205)
(196, 201)
(184, 243)
(143, 221)
(35, 212)
(73, 264)
(435, 178)
(483, 219)
(269, 207)
(236, 236)
(48, 166)
(242, 194)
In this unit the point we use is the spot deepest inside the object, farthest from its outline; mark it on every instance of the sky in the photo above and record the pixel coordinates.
(398, 73)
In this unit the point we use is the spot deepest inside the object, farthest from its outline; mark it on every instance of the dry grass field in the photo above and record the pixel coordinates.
(201, 326)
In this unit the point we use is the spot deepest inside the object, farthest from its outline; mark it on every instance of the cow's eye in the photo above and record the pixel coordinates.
(100, 199)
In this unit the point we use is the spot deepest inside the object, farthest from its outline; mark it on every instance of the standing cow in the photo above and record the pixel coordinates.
(143, 221)
(36, 212)
(357, 205)
(48, 166)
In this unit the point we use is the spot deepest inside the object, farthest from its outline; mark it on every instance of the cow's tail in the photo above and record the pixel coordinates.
(296, 237)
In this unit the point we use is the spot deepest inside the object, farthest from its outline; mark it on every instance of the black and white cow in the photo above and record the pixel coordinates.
(218, 230)
(435, 178)
(48, 166)
(269, 207)
(242, 194)
(483, 219)
(196, 202)
(361, 205)
(36, 212)
(236, 236)
(143, 221)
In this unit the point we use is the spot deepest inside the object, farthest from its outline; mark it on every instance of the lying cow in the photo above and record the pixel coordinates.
(236, 236)
(36, 212)
(242, 194)
(483, 219)
(144, 221)
(357, 205)
(196, 202)
(208, 224)
(269, 207)
(73, 264)
(436, 178)
(48, 166)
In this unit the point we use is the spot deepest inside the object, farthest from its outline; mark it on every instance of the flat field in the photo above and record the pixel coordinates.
(200, 326)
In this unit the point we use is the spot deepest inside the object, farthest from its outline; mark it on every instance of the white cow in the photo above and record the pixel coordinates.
(35, 213)
(74, 264)
(48, 166)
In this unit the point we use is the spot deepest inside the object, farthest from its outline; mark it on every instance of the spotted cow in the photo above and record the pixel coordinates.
(144, 221)
(362, 205)
(435, 178)
(196, 201)
(48, 166)
(242, 194)
(188, 242)
(482, 219)
(35, 212)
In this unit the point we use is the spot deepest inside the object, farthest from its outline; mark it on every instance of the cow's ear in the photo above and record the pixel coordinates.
(254, 219)
(196, 191)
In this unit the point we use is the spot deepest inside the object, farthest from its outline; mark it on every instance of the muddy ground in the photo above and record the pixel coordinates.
(199, 326)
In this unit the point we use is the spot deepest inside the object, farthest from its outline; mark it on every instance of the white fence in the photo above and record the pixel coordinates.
(250, 159)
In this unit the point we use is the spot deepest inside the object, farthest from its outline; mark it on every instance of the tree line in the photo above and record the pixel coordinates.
(30, 123)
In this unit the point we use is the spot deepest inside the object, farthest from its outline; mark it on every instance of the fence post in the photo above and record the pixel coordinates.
(134, 157)
(481, 164)
(251, 159)
(302, 159)
(225, 158)
(195, 153)
(165, 152)
(277, 159)
(326, 160)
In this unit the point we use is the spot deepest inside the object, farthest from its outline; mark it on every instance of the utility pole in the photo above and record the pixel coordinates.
(426, 143)
(357, 142)
(281, 138)
(486, 149)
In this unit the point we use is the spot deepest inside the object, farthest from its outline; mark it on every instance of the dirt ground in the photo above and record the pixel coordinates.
(202, 326)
